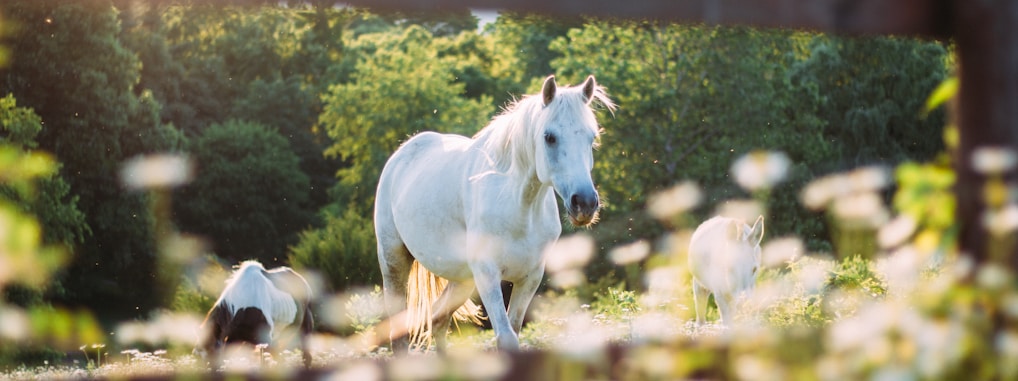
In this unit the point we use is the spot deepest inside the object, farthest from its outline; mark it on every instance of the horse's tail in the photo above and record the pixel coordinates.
(423, 289)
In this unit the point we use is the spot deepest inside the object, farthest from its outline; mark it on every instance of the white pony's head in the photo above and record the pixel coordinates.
(565, 137)
(750, 238)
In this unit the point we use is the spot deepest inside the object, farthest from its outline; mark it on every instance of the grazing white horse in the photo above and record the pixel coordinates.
(724, 255)
(479, 211)
(258, 306)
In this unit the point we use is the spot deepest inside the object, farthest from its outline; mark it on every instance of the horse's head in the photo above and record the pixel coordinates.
(564, 145)
(750, 237)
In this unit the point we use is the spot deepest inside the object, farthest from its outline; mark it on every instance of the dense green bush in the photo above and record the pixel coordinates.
(343, 251)
(249, 196)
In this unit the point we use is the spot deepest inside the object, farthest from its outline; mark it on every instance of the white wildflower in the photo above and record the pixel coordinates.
(759, 170)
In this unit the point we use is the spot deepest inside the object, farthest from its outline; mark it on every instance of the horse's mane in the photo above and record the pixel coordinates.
(249, 286)
(509, 140)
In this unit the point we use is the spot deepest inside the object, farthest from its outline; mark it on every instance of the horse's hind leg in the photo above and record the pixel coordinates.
(395, 260)
(306, 327)
(700, 294)
(452, 298)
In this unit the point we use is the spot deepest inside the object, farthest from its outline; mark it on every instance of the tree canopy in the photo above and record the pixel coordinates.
(289, 110)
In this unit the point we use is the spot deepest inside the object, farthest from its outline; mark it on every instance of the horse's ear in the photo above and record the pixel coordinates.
(758, 230)
(588, 88)
(548, 90)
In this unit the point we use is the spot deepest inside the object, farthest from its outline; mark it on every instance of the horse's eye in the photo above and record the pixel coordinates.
(549, 138)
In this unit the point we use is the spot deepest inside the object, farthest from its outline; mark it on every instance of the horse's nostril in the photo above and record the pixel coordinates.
(583, 202)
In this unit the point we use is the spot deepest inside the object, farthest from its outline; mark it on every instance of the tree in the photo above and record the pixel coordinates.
(865, 88)
(692, 99)
(70, 67)
(525, 53)
(270, 65)
(343, 251)
(400, 87)
(48, 198)
(249, 197)
(51, 200)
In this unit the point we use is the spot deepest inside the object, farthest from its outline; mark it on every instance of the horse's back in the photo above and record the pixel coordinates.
(706, 237)
(424, 171)
(423, 151)
(716, 252)
(290, 282)
(252, 287)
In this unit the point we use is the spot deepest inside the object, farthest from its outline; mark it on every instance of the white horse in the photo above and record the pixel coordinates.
(724, 255)
(258, 306)
(479, 211)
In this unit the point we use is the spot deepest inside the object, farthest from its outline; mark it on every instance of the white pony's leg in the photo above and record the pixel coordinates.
(489, 286)
(724, 306)
(395, 260)
(700, 294)
(519, 301)
(454, 295)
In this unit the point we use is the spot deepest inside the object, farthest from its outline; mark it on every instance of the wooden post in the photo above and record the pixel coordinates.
(986, 33)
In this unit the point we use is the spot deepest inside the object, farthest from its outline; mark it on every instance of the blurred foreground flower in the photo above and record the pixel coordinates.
(746, 210)
(861, 210)
(781, 251)
(156, 171)
(993, 160)
(631, 253)
(760, 170)
(565, 259)
(1003, 221)
(675, 200)
(819, 193)
(166, 328)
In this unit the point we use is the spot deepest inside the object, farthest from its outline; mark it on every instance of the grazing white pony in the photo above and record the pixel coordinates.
(724, 255)
(258, 306)
(479, 211)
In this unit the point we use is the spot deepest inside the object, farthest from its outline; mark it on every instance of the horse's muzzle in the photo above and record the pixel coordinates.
(582, 208)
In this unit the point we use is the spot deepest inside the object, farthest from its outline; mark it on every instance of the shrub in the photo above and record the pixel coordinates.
(249, 196)
(343, 251)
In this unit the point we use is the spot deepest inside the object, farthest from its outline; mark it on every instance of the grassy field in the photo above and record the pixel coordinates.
(800, 303)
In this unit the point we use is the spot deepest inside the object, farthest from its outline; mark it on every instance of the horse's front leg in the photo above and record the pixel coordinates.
(523, 294)
(489, 285)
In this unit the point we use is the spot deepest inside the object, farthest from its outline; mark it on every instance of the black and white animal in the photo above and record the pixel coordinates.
(259, 306)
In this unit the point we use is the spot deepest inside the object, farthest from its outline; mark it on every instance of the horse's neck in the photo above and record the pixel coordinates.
(532, 192)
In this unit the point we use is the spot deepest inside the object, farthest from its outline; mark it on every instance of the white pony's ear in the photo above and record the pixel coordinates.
(757, 232)
(588, 88)
(548, 90)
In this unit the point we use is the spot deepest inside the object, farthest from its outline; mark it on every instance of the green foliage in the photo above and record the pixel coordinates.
(73, 70)
(249, 194)
(363, 310)
(49, 197)
(857, 274)
(343, 251)
(400, 87)
(873, 87)
(616, 301)
(692, 99)
(191, 299)
(257, 95)
(28, 260)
